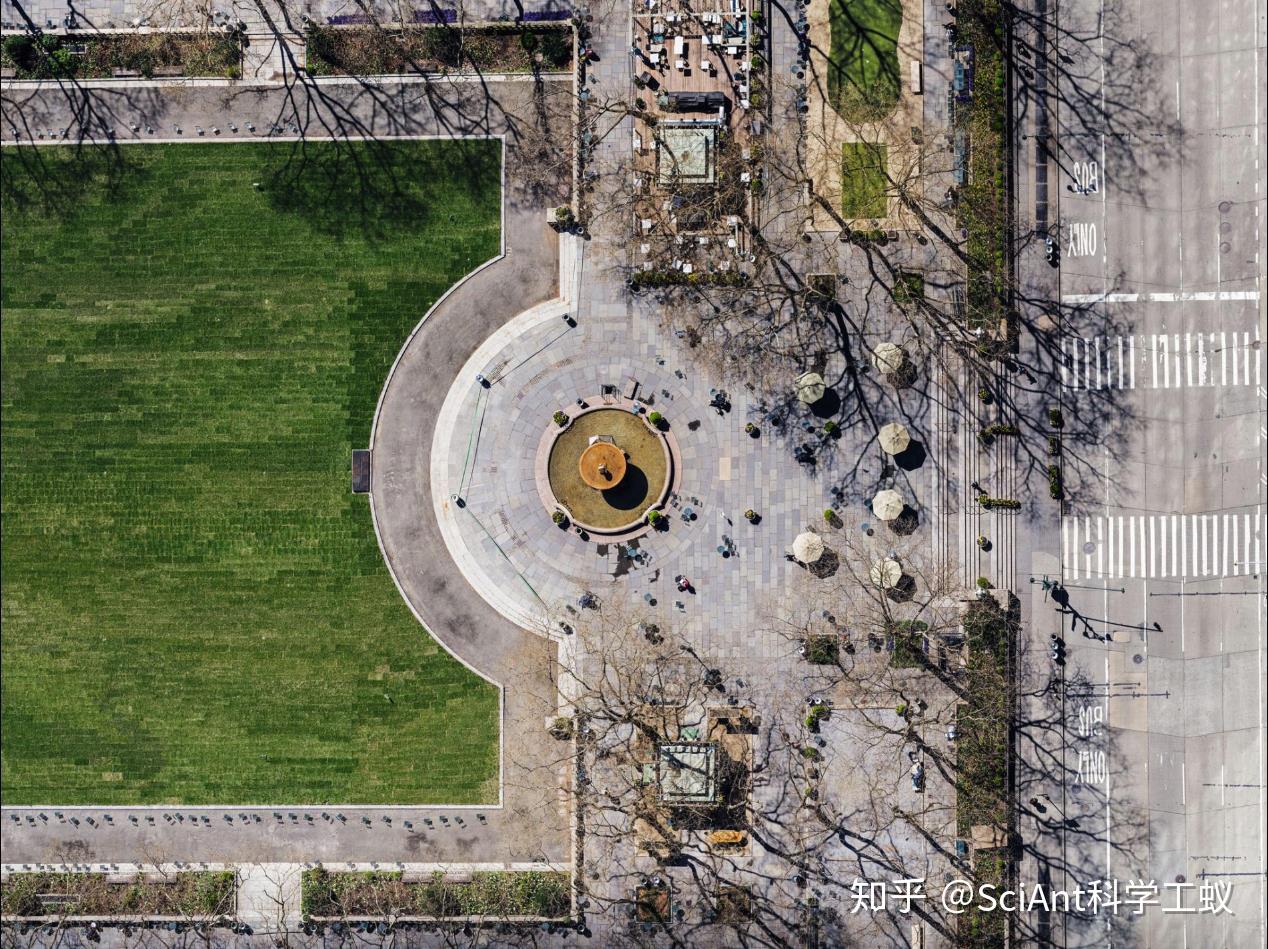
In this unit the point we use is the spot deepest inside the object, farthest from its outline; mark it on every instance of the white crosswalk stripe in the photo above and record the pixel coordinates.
(1158, 546)
(1165, 360)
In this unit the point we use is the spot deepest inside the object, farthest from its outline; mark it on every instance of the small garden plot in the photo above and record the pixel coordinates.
(864, 185)
(374, 51)
(196, 894)
(525, 893)
(105, 56)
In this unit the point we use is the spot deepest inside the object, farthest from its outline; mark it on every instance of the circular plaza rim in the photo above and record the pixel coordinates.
(637, 525)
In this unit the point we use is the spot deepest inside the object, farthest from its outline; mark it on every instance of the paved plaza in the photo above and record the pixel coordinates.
(501, 534)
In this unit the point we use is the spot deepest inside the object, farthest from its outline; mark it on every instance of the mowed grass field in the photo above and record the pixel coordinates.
(863, 182)
(863, 73)
(195, 609)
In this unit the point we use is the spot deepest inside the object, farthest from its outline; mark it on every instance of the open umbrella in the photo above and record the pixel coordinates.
(894, 438)
(886, 574)
(888, 357)
(887, 504)
(810, 387)
(808, 547)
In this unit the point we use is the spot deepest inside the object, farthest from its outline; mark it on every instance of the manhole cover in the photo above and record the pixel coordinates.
(1225, 247)
(1225, 207)
(1138, 658)
(1225, 227)
(1089, 547)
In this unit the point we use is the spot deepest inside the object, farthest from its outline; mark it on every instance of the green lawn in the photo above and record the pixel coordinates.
(864, 78)
(195, 609)
(863, 181)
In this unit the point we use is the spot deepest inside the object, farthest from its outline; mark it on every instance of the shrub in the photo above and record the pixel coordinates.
(1002, 504)
(561, 729)
(560, 518)
(21, 49)
(655, 418)
(901, 709)
(830, 428)
(810, 753)
(319, 46)
(657, 279)
(820, 650)
(444, 45)
(1055, 487)
(983, 583)
(830, 516)
(654, 517)
(556, 47)
(1000, 428)
(750, 515)
(1055, 418)
(1054, 445)
(528, 41)
(817, 714)
(561, 419)
(984, 394)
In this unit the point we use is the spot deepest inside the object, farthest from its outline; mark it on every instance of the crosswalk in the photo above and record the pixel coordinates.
(1162, 360)
(1163, 545)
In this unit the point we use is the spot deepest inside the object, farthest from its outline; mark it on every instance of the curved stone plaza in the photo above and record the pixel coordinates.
(490, 479)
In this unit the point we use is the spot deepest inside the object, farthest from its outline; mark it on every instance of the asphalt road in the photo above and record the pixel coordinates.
(1142, 757)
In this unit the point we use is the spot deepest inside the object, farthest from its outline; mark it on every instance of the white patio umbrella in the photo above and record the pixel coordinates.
(888, 357)
(886, 574)
(810, 387)
(808, 547)
(887, 504)
(894, 438)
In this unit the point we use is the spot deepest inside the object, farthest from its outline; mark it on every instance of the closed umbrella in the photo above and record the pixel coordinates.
(888, 357)
(810, 387)
(887, 505)
(894, 438)
(886, 574)
(808, 547)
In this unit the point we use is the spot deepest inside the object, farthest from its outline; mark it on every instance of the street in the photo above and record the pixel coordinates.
(1142, 747)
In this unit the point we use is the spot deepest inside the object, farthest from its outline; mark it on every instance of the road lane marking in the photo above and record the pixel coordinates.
(1163, 545)
(1182, 296)
(1176, 361)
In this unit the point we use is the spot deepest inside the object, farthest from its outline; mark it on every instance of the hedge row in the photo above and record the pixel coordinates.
(983, 206)
(378, 52)
(500, 894)
(185, 894)
(97, 56)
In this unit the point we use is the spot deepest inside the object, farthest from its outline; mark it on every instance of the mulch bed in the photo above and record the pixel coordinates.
(442, 49)
(103, 56)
